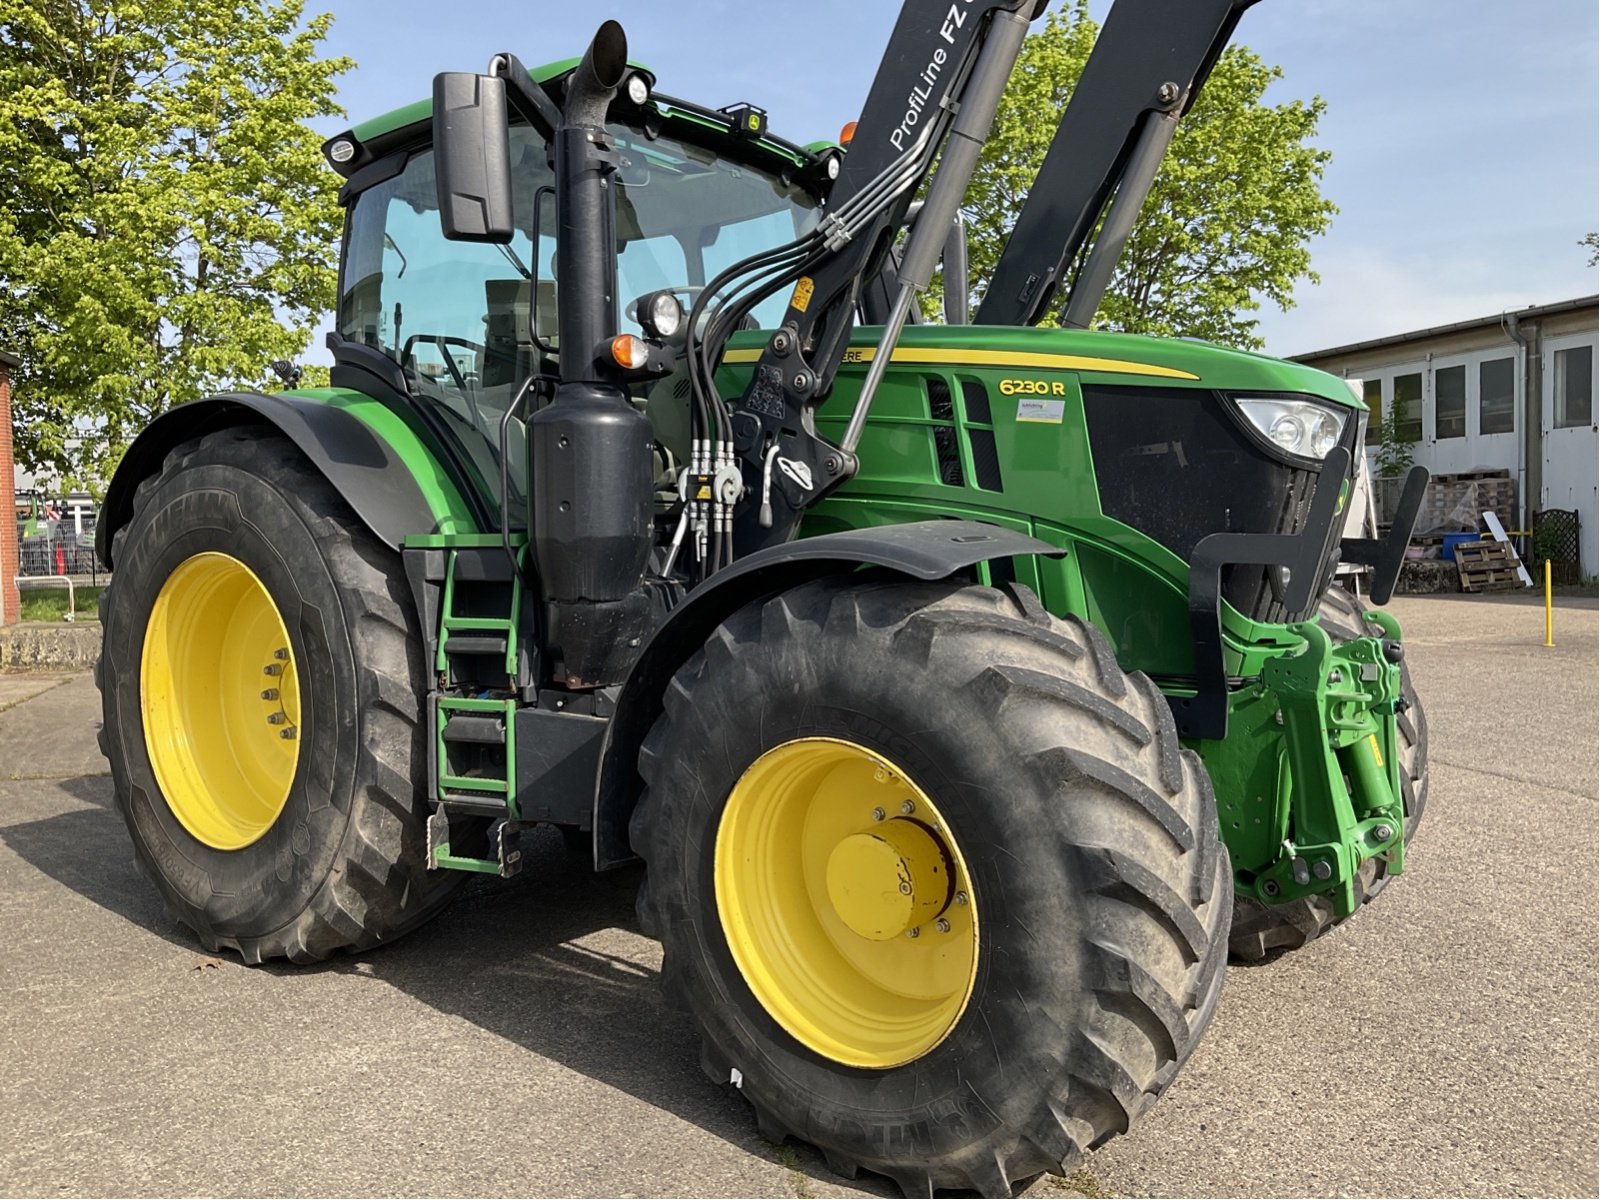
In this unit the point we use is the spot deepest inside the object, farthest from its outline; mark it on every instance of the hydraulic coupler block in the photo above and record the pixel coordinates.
(591, 497)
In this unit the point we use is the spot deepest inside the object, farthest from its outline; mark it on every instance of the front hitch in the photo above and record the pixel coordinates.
(1345, 805)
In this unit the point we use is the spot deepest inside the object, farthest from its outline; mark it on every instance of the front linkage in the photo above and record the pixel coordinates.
(1337, 707)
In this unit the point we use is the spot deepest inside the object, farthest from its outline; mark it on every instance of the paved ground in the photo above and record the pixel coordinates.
(1442, 1044)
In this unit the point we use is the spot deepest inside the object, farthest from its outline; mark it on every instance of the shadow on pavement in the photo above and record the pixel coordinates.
(551, 961)
(87, 850)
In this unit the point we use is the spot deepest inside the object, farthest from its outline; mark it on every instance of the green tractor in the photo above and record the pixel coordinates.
(970, 692)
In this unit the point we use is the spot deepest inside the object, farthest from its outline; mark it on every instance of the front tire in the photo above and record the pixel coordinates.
(262, 682)
(1261, 929)
(1076, 975)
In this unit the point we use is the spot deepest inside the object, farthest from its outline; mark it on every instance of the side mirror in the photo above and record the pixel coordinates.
(472, 157)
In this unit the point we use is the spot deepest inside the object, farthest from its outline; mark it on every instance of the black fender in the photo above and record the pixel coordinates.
(365, 469)
(921, 550)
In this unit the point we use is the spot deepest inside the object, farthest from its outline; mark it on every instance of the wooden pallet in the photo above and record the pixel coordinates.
(1487, 566)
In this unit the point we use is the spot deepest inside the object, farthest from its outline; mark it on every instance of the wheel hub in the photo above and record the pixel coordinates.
(845, 902)
(220, 701)
(889, 881)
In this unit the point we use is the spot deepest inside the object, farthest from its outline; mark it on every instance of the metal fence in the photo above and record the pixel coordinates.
(55, 544)
(59, 552)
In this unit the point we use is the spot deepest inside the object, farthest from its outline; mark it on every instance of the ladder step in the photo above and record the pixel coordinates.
(482, 731)
(473, 806)
(486, 644)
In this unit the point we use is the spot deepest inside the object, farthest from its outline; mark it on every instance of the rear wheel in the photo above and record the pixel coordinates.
(1262, 929)
(262, 683)
(941, 889)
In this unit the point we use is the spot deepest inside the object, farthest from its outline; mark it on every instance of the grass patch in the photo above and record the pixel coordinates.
(1080, 1183)
(798, 1180)
(50, 604)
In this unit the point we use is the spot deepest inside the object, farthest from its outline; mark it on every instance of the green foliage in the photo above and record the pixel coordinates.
(169, 226)
(1396, 452)
(1591, 243)
(1228, 221)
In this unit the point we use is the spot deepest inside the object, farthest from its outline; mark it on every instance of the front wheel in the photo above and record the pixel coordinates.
(941, 889)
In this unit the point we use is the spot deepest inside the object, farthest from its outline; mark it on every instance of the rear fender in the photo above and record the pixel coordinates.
(381, 468)
(924, 550)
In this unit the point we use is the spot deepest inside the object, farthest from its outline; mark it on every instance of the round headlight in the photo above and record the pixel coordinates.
(638, 88)
(342, 151)
(1287, 432)
(661, 315)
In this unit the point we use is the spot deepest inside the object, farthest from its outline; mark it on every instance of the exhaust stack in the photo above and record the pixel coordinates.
(589, 450)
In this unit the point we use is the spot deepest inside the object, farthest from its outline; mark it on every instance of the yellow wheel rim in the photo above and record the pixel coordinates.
(846, 903)
(221, 701)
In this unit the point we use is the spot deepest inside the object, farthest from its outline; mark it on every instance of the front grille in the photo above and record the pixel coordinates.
(1171, 463)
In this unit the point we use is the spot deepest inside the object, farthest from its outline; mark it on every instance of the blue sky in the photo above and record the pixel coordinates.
(1464, 132)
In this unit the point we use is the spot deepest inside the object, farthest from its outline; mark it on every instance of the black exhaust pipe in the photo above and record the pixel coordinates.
(586, 245)
(590, 449)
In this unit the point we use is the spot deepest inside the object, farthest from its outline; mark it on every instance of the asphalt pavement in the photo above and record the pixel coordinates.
(1441, 1044)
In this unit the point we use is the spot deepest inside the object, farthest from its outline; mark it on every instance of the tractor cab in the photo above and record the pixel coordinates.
(467, 324)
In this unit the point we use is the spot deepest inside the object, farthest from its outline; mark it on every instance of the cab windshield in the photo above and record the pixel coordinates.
(454, 316)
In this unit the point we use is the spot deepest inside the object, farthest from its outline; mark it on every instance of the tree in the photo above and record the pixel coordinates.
(169, 226)
(1228, 221)
(1591, 243)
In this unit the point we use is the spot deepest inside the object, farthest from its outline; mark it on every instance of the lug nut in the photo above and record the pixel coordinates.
(913, 932)
(281, 654)
(905, 888)
(1383, 832)
(276, 718)
(287, 734)
(942, 925)
(270, 694)
(909, 807)
(878, 814)
(272, 669)
(961, 898)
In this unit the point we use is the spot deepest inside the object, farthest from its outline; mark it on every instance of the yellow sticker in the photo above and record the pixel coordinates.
(802, 294)
(1377, 754)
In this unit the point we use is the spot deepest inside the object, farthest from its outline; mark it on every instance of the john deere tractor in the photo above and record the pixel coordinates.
(970, 691)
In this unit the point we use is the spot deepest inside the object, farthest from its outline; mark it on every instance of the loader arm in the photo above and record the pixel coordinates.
(1147, 66)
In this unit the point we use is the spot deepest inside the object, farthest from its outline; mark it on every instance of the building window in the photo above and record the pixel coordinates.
(1497, 396)
(1574, 387)
(1450, 402)
(1372, 393)
(1408, 400)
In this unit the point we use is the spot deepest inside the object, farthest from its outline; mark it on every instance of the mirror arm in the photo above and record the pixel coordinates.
(530, 100)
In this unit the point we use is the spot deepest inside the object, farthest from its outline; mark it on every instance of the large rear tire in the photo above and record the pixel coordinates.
(1260, 929)
(262, 682)
(938, 884)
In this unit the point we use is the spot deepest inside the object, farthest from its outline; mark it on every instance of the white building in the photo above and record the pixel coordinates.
(1513, 391)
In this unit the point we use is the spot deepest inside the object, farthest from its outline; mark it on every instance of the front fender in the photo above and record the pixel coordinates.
(381, 468)
(924, 550)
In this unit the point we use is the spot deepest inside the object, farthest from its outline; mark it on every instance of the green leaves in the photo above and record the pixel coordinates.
(1227, 224)
(169, 226)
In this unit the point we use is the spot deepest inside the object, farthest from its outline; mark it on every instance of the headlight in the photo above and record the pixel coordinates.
(661, 315)
(1294, 426)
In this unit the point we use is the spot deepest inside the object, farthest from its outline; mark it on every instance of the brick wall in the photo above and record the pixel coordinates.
(9, 603)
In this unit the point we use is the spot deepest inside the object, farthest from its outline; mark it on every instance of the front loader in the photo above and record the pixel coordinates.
(969, 693)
